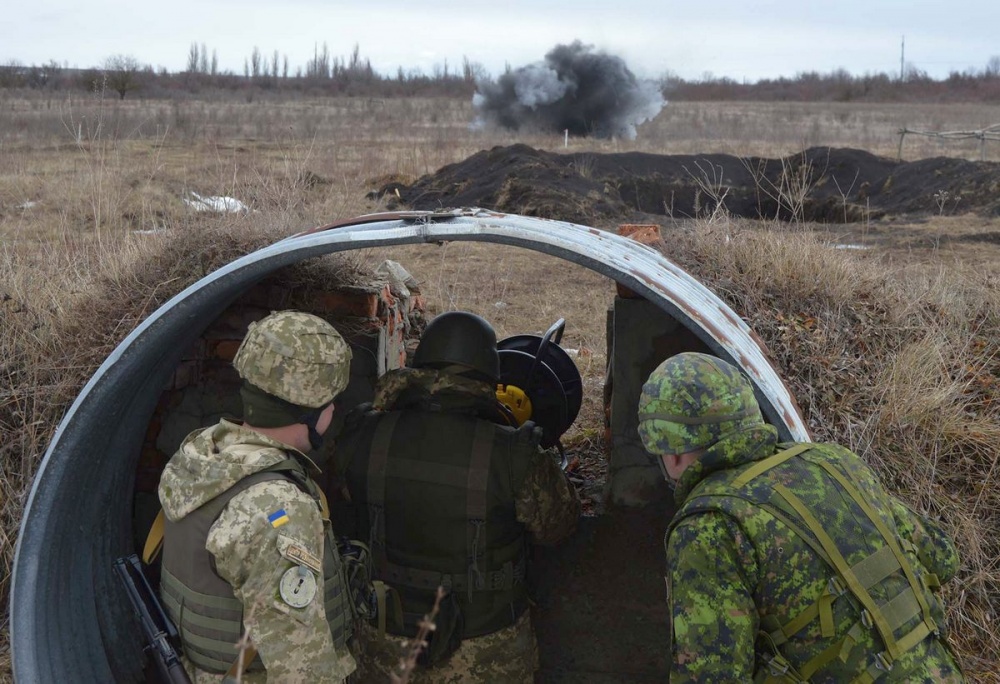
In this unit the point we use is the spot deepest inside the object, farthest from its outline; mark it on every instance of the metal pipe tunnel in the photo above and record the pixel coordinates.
(67, 613)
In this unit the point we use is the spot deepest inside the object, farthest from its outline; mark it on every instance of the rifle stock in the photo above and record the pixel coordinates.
(159, 632)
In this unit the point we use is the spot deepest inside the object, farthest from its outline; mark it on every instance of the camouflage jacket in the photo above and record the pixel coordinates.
(263, 532)
(545, 503)
(734, 570)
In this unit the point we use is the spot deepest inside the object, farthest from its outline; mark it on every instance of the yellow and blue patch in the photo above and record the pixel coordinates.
(278, 518)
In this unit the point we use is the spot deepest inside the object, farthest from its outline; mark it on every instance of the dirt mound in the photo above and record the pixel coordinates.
(823, 184)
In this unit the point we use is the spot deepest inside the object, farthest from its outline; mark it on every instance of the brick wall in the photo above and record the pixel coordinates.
(378, 320)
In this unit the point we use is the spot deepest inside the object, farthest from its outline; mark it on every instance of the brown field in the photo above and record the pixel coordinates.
(893, 350)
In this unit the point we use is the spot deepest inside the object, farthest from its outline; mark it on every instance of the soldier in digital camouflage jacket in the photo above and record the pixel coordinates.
(247, 543)
(786, 563)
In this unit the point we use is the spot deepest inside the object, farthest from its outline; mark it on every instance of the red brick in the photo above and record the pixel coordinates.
(625, 292)
(360, 304)
(646, 233)
(185, 374)
(223, 349)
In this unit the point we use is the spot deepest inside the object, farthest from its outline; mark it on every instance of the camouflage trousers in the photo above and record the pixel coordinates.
(198, 676)
(507, 656)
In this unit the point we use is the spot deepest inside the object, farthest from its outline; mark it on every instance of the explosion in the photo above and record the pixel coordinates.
(574, 89)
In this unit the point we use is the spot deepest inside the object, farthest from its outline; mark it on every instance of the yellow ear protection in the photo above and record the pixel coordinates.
(516, 401)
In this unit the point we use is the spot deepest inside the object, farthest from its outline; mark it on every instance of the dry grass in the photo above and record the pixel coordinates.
(889, 351)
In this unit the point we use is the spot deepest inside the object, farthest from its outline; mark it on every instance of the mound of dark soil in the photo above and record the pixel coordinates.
(821, 184)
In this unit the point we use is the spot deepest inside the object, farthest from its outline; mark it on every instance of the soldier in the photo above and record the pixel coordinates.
(247, 543)
(786, 562)
(450, 497)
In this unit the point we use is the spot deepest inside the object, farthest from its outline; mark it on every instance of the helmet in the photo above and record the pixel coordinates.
(459, 338)
(295, 356)
(693, 400)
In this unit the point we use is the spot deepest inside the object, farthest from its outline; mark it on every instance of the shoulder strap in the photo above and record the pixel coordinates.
(886, 618)
(154, 540)
(761, 467)
(378, 463)
(476, 501)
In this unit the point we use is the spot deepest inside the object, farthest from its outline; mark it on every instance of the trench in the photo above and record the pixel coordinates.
(68, 614)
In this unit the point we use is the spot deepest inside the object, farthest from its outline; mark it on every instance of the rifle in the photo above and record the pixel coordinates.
(157, 628)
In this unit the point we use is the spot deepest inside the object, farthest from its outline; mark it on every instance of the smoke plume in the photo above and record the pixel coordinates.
(575, 88)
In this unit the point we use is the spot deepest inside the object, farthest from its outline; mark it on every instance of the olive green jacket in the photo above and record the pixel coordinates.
(456, 499)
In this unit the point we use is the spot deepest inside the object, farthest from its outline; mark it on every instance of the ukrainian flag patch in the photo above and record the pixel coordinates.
(278, 518)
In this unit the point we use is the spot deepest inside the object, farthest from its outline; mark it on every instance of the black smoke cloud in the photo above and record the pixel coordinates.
(574, 88)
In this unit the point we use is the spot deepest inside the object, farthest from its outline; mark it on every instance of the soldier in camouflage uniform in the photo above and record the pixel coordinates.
(449, 494)
(786, 562)
(247, 541)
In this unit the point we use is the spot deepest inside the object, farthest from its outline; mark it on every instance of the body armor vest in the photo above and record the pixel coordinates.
(208, 615)
(435, 494)
(886, 592)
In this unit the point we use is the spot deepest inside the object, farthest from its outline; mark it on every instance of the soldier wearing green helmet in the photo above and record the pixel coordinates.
(247, 543)
(451, 496)
(786, 562)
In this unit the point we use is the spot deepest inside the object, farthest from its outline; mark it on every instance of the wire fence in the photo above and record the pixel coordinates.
(988, 133)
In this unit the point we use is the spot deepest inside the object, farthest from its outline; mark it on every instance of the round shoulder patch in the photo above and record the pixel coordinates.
(298, 586)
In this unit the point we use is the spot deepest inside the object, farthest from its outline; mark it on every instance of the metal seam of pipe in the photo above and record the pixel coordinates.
(67, 615)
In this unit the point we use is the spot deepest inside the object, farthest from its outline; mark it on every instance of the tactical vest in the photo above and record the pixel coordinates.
(435, 494)
(889, 591)
(208, 615)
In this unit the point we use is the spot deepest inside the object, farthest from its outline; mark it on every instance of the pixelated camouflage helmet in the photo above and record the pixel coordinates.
(691, 401)
(459, 339)
(295, 356)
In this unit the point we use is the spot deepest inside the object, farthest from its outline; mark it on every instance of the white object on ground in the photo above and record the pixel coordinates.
(221, 205)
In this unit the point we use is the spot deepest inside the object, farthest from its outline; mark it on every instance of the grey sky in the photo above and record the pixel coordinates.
(738, 39)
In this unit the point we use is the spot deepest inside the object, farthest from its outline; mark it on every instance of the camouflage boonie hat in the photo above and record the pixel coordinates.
(295, 356)
(691, 401)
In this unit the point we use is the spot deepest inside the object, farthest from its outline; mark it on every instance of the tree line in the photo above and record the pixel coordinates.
(353, 75)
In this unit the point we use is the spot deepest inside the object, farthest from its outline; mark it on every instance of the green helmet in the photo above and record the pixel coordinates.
(693, 400)
(295, 356)
(459, 339)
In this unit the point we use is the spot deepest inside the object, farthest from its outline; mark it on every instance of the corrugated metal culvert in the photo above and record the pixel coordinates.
(67, 619)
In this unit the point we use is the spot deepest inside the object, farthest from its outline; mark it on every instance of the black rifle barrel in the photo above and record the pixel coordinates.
(157, 628)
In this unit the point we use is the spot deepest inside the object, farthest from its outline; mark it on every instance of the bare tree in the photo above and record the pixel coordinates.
(203, 60)
(255, 63)
(215, 63)
(122, 74)
(13, 74)
(472, 72)
(319, 65)
(192, 64)
(274, 65)
(993, 67)
(43, 76)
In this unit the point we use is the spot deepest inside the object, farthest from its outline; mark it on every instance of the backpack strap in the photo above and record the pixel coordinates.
(886, 618)
(154, 539)
(476, 502)
(762, 466)
(378, 463)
